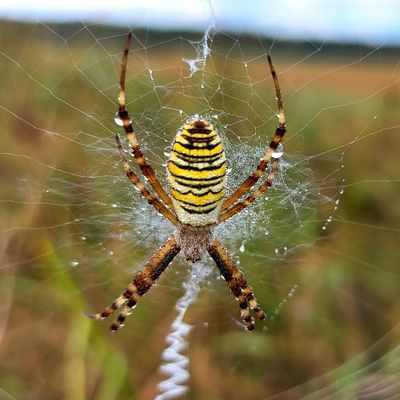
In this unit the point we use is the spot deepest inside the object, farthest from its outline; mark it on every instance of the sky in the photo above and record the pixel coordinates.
(358, 21)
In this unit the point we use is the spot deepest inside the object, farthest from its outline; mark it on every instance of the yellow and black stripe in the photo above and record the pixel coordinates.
(197, 173)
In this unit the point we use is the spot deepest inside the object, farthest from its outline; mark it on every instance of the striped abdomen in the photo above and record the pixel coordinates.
(197, 173)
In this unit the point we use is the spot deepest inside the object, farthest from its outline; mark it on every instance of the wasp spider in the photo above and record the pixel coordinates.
(195, 204)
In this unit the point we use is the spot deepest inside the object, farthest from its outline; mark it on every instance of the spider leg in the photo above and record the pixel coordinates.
(251, 180)
(237, 284)
(141, 283)
(239, 206)
(154, 201)
(130, 134)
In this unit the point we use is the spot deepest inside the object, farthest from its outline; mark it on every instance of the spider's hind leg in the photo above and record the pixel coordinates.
(140, 284)
(237, 284)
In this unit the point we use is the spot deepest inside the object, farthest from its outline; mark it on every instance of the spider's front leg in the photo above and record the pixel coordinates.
(153, 200)
(240, 205)
(126, 123)
(274, 144)
(141, 283)
(237, 284)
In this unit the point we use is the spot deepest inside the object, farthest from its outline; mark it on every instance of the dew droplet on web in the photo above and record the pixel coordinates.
(167, 151)
(118, 120)
(242, 248)
(74, 263)
(278, 151)
(293, 290)
(150, 73)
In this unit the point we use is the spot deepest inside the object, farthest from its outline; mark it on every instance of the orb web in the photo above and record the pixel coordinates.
(70, 211)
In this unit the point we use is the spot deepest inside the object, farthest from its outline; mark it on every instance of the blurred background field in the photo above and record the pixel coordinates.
(324, 263)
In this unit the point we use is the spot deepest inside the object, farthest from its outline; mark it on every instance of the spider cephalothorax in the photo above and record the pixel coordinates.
(196, 202)
(194, 240)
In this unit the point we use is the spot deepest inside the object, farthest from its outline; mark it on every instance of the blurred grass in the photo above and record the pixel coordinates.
(337, 334)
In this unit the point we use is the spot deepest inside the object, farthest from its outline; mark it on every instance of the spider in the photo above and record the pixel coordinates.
(196, 202)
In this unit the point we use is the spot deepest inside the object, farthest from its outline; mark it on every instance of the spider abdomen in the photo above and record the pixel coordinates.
(197, 173)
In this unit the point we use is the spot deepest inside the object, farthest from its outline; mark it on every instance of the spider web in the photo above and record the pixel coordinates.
(75, 230)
